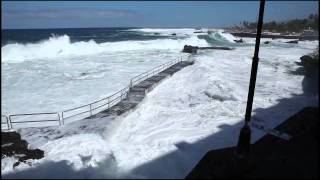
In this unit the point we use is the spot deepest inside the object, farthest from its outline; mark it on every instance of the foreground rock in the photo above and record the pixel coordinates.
(13, 146)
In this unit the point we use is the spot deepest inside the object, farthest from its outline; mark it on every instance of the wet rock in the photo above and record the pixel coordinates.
(190, 49)
(13, 145)
(32, 154)
(194, 49)
(267, 42)
(173, 34)
(293, 42)
(238, 41)
(7, 137)
(310, 64)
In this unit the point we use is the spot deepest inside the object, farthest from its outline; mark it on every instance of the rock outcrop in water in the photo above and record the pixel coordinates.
(194, 49)
(13, 146)
(238, 41)
(293, 42)
(190, 49)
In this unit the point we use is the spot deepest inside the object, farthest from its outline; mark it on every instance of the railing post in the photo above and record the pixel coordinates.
(59, 119)
(90, 110)
(10, 122)
(62, 117)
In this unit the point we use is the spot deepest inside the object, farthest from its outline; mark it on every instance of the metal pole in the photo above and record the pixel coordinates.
(62, 118)
(90, 110)
(59, 119)
(245, 133)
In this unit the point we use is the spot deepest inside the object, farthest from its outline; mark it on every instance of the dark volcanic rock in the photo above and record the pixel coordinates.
(13, 145)
(310, 64)
(32, 154)
(190, 49)
(293, 42)
(238, 41)
(307, 59)
(194, 49)
(7, 137)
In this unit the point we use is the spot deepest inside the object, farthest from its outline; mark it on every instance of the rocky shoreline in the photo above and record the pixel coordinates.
(13, 146)
(273, 36)
(310, 63)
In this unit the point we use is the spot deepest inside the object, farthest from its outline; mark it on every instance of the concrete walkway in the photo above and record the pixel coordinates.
(138, 91)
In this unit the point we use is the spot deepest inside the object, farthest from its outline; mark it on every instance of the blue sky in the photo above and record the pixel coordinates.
(61, 14)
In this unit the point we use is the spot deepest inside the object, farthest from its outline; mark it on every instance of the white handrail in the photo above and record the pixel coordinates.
(7, 121)
(145, 75)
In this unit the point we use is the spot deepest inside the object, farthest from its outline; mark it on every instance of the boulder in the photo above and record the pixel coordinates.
(238, 41)
(306, 59)
(7, 137)
(310, 64)
(293, 42)
(13, 145)
(267, 42)
(190, 49)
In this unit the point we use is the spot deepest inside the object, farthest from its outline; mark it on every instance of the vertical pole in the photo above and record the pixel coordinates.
(243, 145)
(8, 122)
(59, 119)
(90, 110)
(62, 117)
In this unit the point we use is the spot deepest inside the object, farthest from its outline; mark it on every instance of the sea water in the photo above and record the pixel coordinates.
(198, 109)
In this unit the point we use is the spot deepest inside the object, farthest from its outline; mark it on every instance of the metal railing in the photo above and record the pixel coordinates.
(32, 115)
(6, 122)
(143, 76)
(87, 110)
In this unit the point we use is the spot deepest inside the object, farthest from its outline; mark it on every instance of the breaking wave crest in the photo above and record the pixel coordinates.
(61, 46)
(218, 38)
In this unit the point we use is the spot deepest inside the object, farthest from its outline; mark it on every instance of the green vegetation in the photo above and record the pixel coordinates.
(295, 25)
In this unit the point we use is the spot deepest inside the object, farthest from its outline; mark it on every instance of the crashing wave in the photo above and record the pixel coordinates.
(61, 46)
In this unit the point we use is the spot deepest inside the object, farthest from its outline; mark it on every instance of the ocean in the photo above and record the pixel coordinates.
(198, 109)
(49, 70)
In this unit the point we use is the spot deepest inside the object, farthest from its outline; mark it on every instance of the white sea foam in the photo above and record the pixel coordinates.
(61, 46)
(199, 108)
